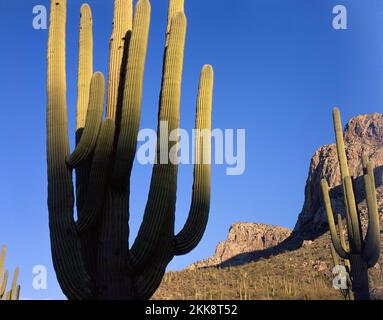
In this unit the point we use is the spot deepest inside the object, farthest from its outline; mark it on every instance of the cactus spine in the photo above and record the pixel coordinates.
(14, 292)
(92, 256)
(361, 253)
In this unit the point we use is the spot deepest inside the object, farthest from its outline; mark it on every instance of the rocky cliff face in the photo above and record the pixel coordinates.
(363, 135)
(245, 238)
(250, 241)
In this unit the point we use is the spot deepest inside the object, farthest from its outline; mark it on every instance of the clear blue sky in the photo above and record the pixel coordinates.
(280, 67)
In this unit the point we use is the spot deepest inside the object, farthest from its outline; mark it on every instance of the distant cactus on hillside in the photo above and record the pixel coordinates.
(14, 291)
(362, 254)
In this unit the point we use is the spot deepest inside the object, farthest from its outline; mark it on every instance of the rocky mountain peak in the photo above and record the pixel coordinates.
(365, 129)
(363, 135)
(244, 238)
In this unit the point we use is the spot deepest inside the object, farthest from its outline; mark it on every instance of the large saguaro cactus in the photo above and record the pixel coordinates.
(91, 255)
(361, 253)
(14, 292)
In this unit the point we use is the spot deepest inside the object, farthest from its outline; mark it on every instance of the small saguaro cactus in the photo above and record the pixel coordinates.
(14, 292)
(362, 254)
(91, 255)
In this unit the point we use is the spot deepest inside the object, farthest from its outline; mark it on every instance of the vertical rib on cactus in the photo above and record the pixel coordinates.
(91, 256)
(174, 7)
(362, 253)
(122, 24)
(85, 64)
(132, 101)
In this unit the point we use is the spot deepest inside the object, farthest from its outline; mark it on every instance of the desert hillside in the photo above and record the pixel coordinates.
(267, 262)
(300, 274)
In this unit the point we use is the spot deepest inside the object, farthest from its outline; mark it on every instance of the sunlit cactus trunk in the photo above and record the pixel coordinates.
(361, 254)
(92, 256)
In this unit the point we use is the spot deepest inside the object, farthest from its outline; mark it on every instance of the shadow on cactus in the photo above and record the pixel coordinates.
(92, 256)
(360, 254)
(14, 291)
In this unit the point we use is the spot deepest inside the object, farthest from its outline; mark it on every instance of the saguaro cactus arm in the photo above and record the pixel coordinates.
(371, 250)
(98, 177)
(343, 240)
(3, 286)
(85, 64)
(132, 102)
(330, 216)
(14, 285)
(340, 144)
(3, 278)
(355, 237)
(174, 7)
(160, 205)
(195, 226)
(122, 24)
(2, 260)
(334, 255)
(14, 292)
(341, 233)
(71, 274)
(93, 121)
(351, 208)
(17, 293)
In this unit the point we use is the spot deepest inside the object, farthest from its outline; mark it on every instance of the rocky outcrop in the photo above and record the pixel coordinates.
(250, 241)
(363, 135)
(245, 238)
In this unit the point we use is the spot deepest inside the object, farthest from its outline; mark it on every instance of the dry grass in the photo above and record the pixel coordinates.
(304, 274)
